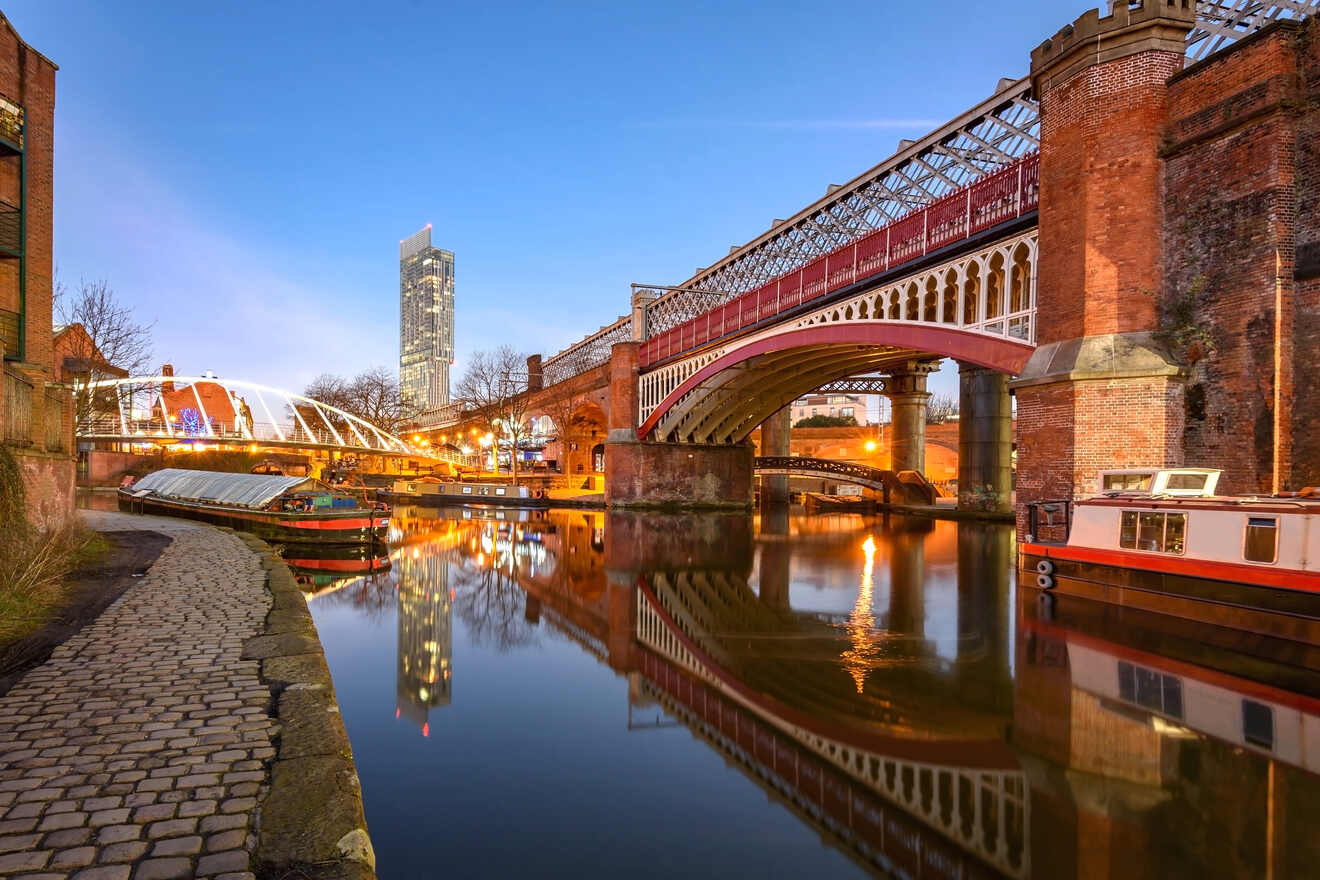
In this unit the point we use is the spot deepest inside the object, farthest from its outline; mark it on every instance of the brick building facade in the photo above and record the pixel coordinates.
(36, 413)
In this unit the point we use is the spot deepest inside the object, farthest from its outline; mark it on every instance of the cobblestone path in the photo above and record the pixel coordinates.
(137, 750)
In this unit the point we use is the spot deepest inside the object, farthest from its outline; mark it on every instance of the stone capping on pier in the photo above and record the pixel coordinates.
(312, 824)
(1160, 25)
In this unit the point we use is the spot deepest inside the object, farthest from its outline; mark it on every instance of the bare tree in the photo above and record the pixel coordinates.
(372, 395)
(103, 340)
(941, 408)
(375, 396)
(493, 390)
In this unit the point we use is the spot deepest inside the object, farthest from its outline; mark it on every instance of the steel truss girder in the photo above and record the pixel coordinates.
(590, 352)
(994, 133)
(987, 137)
(1220, 23)
(855, 385)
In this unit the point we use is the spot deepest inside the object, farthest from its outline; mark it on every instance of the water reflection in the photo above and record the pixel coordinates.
(880, 679)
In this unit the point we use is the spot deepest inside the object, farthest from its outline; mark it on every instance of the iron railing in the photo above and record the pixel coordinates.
(996, 198)
(1049, 520)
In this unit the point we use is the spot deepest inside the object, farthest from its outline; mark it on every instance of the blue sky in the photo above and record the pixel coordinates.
(242, 172)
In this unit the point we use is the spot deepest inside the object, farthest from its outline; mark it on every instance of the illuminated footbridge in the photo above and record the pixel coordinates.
(214, 412)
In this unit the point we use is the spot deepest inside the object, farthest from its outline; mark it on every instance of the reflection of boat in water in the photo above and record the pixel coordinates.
(277, 508)
(1161, 540)
(321, 564)
(1176, 697)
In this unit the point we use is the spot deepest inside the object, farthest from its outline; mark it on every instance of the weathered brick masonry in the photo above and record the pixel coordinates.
(1100, 391)
(1242, 256)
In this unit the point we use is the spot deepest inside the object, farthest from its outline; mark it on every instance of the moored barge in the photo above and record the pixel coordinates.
(275, 508)
(1161, 540)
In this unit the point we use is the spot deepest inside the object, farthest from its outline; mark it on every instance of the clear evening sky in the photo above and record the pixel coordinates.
(242, 172)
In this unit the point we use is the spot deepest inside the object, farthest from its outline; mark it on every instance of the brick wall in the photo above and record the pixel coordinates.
(1099, 170)
(1068, 432)
(28, 79)
(1240, 171)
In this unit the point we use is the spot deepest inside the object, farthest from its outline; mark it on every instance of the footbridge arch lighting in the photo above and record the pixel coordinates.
(117, 414)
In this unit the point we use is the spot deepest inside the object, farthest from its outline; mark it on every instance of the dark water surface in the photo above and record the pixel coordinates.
(582, 694)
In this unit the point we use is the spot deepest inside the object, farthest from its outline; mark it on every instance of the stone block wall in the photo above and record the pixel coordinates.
(1241, 304)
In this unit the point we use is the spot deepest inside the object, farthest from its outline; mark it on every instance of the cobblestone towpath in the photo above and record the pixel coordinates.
(138, 750)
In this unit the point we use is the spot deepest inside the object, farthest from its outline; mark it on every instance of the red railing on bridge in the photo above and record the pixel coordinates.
(1008, 193)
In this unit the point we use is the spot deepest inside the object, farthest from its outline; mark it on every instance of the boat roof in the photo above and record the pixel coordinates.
(214, 487)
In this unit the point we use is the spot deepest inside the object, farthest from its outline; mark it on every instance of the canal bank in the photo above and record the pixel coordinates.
(188, 731)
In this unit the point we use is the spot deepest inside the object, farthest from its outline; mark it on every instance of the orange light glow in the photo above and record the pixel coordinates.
(870, 446)
(426, 729)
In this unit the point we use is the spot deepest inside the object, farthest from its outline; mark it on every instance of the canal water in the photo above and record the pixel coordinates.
(584, 694)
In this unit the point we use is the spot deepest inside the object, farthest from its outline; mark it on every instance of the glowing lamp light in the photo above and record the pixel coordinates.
(870, 446)
(426, 729)
(416, 438)
(397, 712)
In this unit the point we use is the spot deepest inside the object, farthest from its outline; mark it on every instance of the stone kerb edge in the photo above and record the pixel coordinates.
(312, 824)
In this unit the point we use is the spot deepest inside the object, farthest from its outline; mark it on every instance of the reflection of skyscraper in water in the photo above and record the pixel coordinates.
(425, 642)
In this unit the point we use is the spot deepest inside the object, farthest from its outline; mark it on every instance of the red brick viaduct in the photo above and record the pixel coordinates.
(1178, 286)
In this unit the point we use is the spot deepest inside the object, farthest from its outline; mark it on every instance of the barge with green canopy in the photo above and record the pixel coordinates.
(273, 507)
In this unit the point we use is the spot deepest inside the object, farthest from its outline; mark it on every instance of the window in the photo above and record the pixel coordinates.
(1150, 689)
(1186, 481)
(1153, 531)
(846, 412)
(1127, 482)
(1261, 541)
(1258, 724)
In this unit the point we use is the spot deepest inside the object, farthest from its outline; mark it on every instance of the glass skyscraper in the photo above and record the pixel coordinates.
(426, 321)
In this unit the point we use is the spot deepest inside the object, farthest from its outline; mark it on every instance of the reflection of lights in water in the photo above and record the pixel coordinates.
(861, 624)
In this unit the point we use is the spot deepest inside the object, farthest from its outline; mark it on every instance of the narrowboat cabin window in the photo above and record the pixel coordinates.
(1150, 689)
(1153, 531)
(1186, 482)
(1258, 724)
(1261, 541)
(1121, 482)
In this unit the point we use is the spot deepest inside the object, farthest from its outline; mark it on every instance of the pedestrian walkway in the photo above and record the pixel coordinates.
(138, 749)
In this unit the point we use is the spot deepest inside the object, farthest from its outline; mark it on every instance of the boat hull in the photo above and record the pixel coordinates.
(350, 527)
(1288, 608)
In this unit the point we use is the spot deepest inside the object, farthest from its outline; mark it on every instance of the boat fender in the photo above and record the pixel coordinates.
(1045, 566)
(1045, 582)
(1045, 603)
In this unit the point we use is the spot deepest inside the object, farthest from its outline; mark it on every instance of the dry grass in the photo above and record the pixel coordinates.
(33, 576)
(34, 565)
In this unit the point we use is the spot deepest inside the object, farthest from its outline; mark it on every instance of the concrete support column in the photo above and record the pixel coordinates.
(985, 440)
(776, 434)
(906, 390)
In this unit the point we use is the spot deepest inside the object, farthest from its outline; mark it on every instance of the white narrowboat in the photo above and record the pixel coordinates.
(1163, 541)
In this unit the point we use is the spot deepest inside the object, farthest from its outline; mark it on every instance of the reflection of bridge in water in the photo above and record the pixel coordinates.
(910, 752)
(866, 768)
